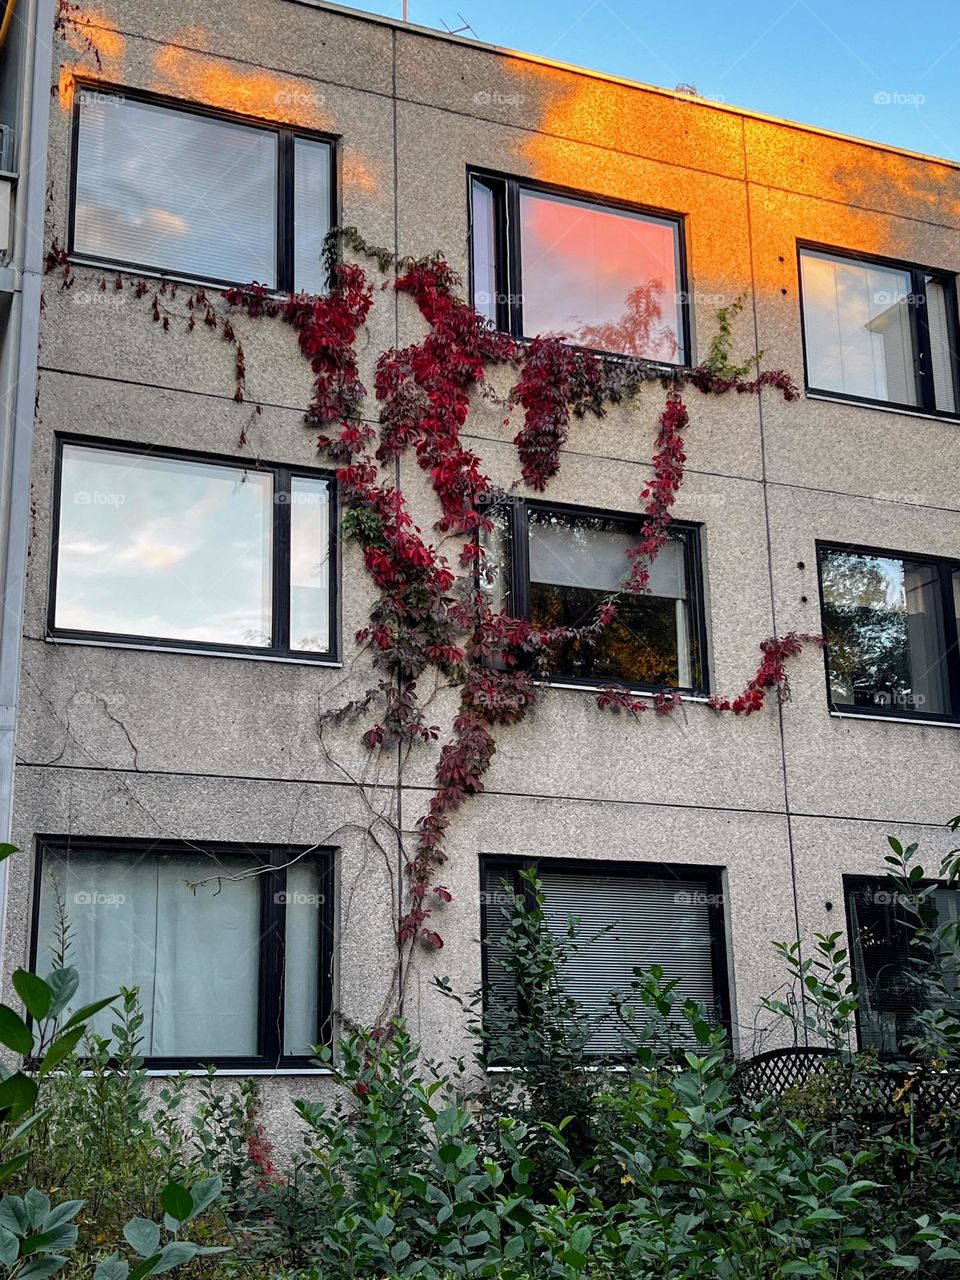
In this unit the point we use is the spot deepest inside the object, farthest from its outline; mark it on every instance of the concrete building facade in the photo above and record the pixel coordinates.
(141, 759)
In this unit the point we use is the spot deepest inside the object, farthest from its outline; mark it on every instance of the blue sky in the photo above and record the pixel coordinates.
(881, 69)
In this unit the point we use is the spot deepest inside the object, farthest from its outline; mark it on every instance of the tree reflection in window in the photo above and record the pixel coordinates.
(884, 623)
(603, 277)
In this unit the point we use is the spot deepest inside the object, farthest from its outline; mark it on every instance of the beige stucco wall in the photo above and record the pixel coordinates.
(115, 742)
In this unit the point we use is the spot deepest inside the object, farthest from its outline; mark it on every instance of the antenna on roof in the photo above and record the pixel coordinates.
(458, 31)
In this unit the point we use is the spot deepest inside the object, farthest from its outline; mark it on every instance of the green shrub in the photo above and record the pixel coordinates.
(655, 1167)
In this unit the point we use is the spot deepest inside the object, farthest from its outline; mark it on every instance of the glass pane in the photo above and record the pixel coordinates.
(857, 330)
(193, 952)
(484, 251)
(164, 548)
(605, 278)
(177, 192)
(943, 359)
(884, 627)
(496, 565)
(890, 985)
(304, 917)
(309, 565)
(576, 562)
(311, 213)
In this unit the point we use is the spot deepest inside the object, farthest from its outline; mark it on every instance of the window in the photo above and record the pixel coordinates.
(644, 914)
(190, 193)
(188, 552)
(602, 275)
(880, 332)
(556, 565)
(891, 626)
(230, 945)
(880, 930)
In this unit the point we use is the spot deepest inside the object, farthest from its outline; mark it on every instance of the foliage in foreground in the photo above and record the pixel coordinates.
(560, 1168)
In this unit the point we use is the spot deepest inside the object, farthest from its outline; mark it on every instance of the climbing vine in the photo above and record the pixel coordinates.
(431, 615)
(427, 615)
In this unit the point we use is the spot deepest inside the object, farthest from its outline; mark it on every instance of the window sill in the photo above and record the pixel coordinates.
(230, 1073)
(883, 408)
(655, 368)
(875, 719)
(283, 659)
(234, 1073)
(170, 277)
(612, 684)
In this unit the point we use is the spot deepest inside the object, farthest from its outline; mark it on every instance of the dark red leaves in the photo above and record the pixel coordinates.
(770, 674)
(556, 381)
(425, 616)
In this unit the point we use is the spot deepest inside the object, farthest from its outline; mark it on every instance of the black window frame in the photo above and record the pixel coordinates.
(519, 583)
(512, 864)
(946, 568)
(285, 247)
(506, 189)
(270, 996)
(919, 328)
(878, 883)
(283, 474)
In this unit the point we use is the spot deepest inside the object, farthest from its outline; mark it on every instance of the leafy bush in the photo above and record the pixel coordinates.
(661, 1165)
(563, 1168)
(34, 1233)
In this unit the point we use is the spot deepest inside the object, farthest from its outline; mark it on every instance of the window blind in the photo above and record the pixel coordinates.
(597, 558)
(175, 191)
(311, 213)
(648, 920)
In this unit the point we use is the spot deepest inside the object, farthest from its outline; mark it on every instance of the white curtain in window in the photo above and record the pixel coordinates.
(597, 559)
(484, 232)
(928, 676)
(940, 352)
(195, 955)
(309, 564)
(302, 978)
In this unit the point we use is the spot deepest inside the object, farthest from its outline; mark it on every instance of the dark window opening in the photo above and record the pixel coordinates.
(891, 626)
(556, 566)
(880, 930)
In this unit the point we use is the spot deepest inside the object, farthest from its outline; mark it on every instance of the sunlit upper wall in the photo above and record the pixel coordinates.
(297, 40)
(563, 107)
(557, 106)
(853, 173)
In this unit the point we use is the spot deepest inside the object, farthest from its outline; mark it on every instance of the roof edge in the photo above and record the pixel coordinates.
(397, 24)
